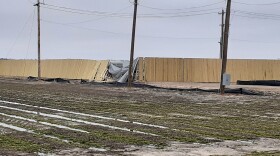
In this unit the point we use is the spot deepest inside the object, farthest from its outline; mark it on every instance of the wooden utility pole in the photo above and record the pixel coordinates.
(225, 46)
(39, 39)
(130, 72)
(222, 33)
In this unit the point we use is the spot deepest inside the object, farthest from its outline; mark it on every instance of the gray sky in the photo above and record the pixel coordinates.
(95, 36)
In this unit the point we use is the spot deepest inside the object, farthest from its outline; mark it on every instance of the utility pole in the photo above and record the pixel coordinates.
(130, 72)
(225, 46)
(39, 39)
(222, 33)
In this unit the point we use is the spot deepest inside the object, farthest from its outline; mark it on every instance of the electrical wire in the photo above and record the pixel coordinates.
(178, 13)
(30, 35)
(79, 27)
(31, 2)
(256, 13)
(81, 11)
(101, 18)
(19, 34)
(177, 16)
(90, 14)
(153, 15)
(29, 41)
(182, 13)
(263, 4)
(128, 34)
(202, 6)
(161, 15)
(256, 17)
(251, 41)
(117, 14)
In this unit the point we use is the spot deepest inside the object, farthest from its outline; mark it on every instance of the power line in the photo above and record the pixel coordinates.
(256, 4)
(19, 34)
(167, 15)
(29, 41)
(30, 35)
(252, 41)
(161, 15)
(90, 12)
(257, 14)
(87, 13)
(31, 2)
(127, 34)
(202, 6)
(79, 27)
(256, 17)
(97, 19)
(180, 38)
(81, 11)
(238, 13)
(178, 13)
(178, 16)
(100, 12)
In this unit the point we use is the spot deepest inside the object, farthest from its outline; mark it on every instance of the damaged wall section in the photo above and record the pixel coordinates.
(118, 70)
(145, 69)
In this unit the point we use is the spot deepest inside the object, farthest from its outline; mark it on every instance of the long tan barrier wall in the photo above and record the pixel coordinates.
(205, 70)
(68, 69)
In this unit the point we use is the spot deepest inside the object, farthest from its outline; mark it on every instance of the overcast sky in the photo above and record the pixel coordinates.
(165, 28)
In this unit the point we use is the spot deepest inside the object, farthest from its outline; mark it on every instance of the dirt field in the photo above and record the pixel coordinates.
(39, 118)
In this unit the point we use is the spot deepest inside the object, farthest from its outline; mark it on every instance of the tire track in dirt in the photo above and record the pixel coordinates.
(77, 120)
(86, 115)
(44, 123)
(20, 129)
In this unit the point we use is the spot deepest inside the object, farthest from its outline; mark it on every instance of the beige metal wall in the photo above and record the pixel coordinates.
(150, 69)
(68, 69)
(205, 70)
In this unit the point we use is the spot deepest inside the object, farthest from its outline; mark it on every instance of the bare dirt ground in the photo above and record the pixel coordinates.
(264, 89)
(40, 118)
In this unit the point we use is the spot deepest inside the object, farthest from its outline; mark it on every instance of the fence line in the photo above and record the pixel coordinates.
(68, 69)
(205, 70)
